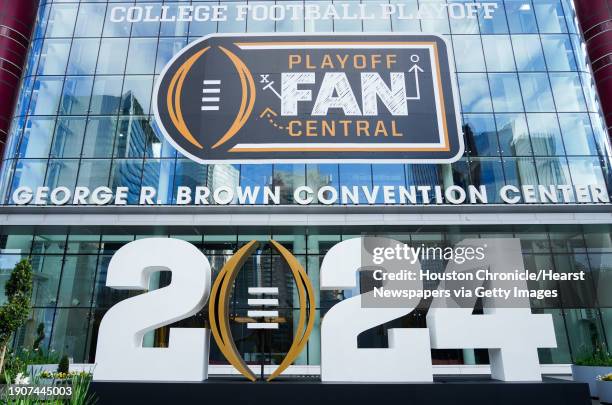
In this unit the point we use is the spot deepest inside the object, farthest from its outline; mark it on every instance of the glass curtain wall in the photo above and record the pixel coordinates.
(70, 294)
(529, 111)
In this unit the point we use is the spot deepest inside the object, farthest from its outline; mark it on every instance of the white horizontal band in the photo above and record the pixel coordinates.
(263, 290)
(263, 301)
(259, 314)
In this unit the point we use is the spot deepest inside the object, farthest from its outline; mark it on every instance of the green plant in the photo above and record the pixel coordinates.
(598, 358)
(40, 336)
(64, 365)
(80, 390)
(17, 308)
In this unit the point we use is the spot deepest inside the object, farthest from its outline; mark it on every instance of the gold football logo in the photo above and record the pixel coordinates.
(219, 316)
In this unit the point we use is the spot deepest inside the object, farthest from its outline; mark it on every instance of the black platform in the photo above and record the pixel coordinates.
(451, 390)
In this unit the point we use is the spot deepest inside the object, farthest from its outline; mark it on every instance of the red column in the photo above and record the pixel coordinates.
(17, 18)
(595, 18)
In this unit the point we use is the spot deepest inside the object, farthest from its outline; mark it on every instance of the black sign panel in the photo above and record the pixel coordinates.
(305, 98)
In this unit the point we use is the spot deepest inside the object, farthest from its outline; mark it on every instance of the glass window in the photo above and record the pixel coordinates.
(558, 52)
(550, 16)
(167, 48)
(288, 177)
(498, 53)
(232, 24)
(118, 29)
(113, 52)
(589, 90)
(380, 22)
(521, 18)
(77, 93)
(388, 175)
(52, 243)
(505, 92)
(68, 139)
(175, 28)
(80, 244)
(24, 97)
(322, 175)
(13, 137)
(528, 53)
(150, 28)
(520, 171)
(553, 171)
(201, 28)
(37, 136)
(70, 332)
(136, 97)
(580, 53)
(62, 172)
(488, 172)
(46, 270)
(411, 7)
(513, 134)
(545, 134)
(586, 171)
(356, 175)
(256, 21)
(567, 90)
(133, 134)
(90, 20)
(127, 173)
(29, 173)
(93, 173)
(54, 57)
(141, 56)
(480, 135)
(495, 22)
(189, 174)
(577, 134)
(434, 22)
(584, 331)
(83, 56)
(474, 90)
(468, 53)
(601, 135)
(76, 285)
(290, 24)
(536, 92)
(347, 25)
(256, 175)
(560, 354)
(46, 96)
(99, 137)
(159, 174)
(106, 95)
(61, 20)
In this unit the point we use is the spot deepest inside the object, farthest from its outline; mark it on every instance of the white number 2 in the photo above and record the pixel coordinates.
(119, 352)
(408, 357)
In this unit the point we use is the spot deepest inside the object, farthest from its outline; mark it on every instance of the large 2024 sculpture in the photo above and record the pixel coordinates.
(512, 335)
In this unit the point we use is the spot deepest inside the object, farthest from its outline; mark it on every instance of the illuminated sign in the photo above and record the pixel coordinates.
(306, 98)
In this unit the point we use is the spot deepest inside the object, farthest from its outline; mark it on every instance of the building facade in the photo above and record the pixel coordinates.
(530, 116)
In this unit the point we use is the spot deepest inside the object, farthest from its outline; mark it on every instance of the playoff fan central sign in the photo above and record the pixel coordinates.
(305, 98)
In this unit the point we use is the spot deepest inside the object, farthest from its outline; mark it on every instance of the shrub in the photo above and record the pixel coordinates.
(17, 308)
(64, 365)
(599, 358)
